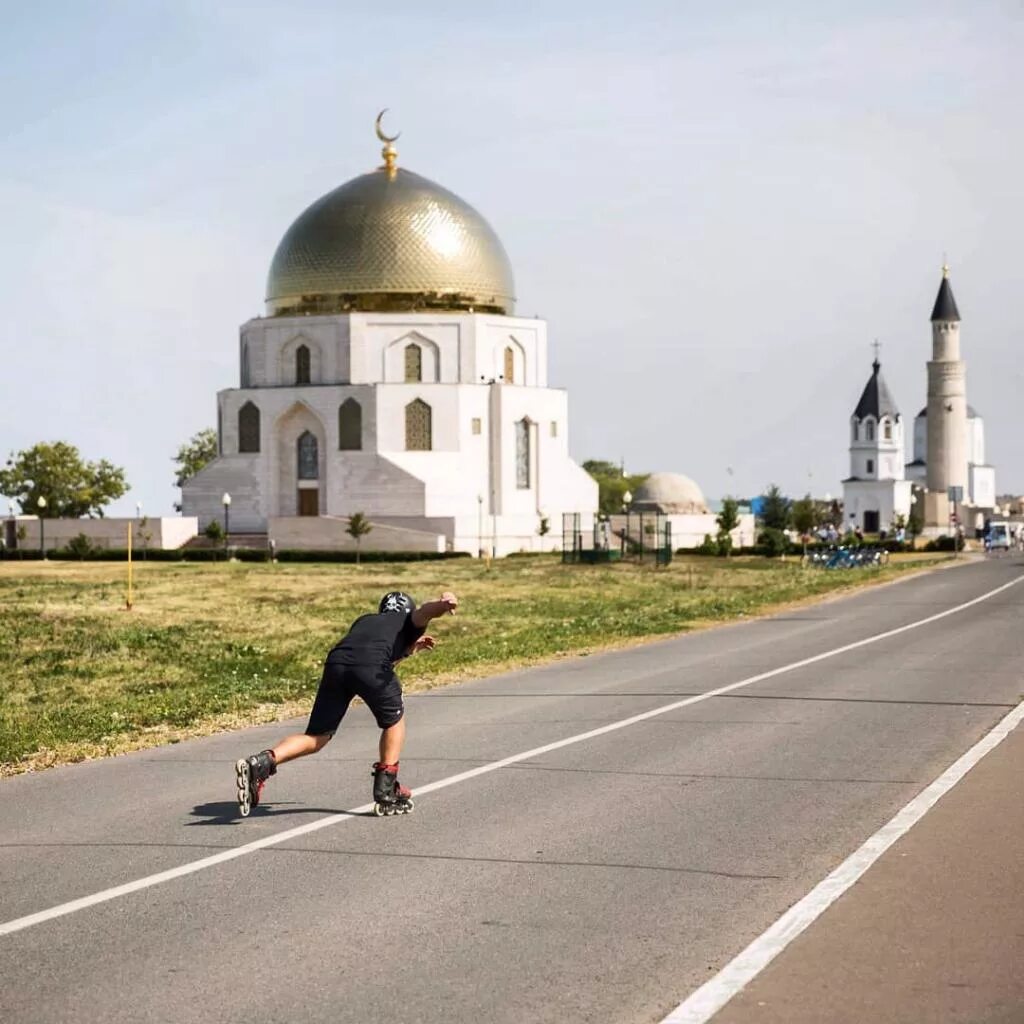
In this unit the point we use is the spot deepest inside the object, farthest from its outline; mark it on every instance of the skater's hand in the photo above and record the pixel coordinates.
(424, 643)
(449, 599)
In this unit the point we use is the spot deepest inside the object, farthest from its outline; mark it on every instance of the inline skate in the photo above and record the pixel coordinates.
(251, 774)
(389, 795)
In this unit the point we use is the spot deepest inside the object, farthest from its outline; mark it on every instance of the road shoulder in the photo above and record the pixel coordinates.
(932, 933)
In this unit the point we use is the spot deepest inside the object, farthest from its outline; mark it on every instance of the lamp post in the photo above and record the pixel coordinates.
(226, 500)
(480, 526)
(627, 500)
(41, 505)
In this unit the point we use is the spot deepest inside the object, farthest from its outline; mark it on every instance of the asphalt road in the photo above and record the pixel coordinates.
(601, 880)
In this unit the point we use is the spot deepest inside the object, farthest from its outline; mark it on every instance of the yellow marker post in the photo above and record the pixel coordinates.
(128, 603)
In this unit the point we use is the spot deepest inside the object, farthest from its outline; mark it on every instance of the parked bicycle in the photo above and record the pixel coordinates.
(846, 558)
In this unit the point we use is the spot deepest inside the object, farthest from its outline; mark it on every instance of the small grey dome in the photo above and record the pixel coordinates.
(670, 493)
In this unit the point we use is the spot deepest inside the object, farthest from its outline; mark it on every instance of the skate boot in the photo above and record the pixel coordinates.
(389, 795)
(251, 773)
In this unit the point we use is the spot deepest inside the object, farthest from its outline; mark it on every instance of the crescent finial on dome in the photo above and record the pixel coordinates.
(389, 152)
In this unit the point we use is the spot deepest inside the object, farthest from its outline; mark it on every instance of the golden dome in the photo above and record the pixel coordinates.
(389, 241)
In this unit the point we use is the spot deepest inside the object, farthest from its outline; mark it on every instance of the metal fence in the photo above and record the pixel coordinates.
(629, 537)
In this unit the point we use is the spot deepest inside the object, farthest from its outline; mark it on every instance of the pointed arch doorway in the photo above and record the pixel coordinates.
(301, 463)
(308, 462)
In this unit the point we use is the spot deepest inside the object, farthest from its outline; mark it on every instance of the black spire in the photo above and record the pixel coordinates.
(945, 304)
(876, 400)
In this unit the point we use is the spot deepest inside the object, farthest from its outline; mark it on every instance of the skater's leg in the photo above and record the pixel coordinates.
(299, 745)
(391, 740)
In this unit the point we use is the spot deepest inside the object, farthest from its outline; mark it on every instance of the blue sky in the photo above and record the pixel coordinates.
(717, 210)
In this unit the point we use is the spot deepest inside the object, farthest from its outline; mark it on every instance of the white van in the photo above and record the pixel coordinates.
(999, 538)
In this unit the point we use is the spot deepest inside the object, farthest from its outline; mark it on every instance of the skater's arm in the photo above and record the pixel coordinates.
(446, 604)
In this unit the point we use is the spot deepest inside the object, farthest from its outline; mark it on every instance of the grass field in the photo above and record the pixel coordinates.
(215, 646)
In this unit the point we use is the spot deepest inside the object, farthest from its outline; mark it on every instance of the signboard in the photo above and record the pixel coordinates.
(955, 494)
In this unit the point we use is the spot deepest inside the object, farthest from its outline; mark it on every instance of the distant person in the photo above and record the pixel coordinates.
(361, 664)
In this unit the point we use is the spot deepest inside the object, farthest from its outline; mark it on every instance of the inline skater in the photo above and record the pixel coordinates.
(361, 664)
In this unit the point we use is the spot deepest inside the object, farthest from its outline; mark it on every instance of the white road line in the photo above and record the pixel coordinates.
(706, 1001)
(336, 819)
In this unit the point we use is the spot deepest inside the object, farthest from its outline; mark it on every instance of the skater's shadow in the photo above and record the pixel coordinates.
(225, 812)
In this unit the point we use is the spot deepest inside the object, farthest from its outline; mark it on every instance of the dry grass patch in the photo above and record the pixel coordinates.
(215, 646)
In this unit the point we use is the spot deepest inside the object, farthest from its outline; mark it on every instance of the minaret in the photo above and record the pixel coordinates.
(947, 409)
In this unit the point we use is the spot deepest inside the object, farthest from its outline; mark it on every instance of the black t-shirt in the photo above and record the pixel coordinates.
(376, 639)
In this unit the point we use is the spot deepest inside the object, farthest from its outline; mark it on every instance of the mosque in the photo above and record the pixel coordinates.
(390, 376)
(948, 444)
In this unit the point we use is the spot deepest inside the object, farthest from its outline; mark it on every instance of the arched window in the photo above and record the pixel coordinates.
(245, 364)
(855, 432)
(870, 432)
(523, 454)
(302, 365)
(309, 463)
(350, 426)
(413, 364)
(887, 430)
(248, 428)
(417, 426)
(510, 366)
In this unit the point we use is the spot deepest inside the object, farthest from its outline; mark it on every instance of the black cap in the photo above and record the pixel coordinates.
(945, 304)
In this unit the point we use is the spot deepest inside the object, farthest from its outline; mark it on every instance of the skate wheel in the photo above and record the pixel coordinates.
(379, 810)
(408, 808)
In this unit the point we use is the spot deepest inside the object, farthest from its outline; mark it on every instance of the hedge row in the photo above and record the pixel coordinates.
(219, 555)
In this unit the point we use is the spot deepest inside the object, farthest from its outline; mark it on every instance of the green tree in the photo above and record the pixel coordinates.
(728, 519)
(776, 512)
(81, 547)
(612, 484)
(55, 471)
(358, 527)
(193, 455)
(804, 514)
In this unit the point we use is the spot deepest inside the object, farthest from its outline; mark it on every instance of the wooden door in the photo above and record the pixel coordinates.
(309, 501)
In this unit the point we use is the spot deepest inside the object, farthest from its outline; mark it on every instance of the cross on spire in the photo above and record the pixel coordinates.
(877, 346)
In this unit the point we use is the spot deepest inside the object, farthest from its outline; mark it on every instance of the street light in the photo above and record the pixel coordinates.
(627, 500)
(41, 504)
(480, 526)
(226, 500)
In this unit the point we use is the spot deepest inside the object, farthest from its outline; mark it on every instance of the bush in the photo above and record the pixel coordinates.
(250, 554)
(80, 547)
(773, 542)
(369, 556)
(708, 546)
(941, 544)
(214, 530)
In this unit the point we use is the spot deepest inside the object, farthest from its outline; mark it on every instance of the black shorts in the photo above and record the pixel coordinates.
(378, 686)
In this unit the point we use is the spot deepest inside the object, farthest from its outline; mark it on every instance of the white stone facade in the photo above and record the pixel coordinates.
(981, 477)
(441, 423)
(148, 533)
(690, 531)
